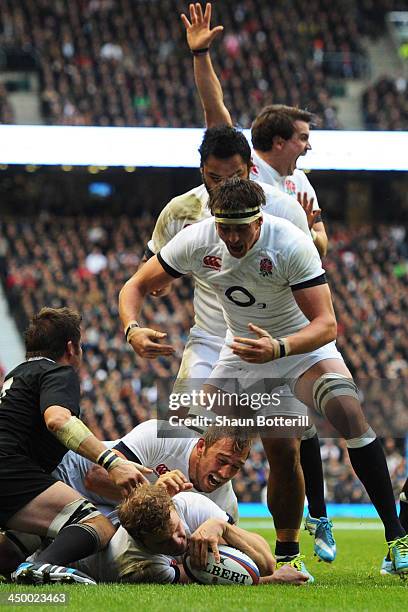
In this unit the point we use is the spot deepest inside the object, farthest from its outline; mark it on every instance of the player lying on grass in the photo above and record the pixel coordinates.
(206, 465)
(39, 410)
(157, 530)
(281, 330)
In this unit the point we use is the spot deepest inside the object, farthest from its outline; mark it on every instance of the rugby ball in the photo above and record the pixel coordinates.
(235, 568)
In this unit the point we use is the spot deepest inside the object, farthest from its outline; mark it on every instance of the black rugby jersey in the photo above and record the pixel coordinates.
(28, 390)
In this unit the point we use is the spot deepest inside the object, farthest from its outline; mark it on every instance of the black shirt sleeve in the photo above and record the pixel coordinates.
(60, 387)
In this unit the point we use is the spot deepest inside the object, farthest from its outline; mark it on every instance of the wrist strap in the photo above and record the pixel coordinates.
(108, 459)
(202, 51)
(284, 347)
(130, 326)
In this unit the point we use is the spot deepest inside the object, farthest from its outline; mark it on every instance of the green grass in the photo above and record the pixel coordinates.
(351, 583)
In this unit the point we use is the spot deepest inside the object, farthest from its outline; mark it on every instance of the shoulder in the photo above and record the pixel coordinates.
(268, 188)
(146, 431)
(300, 178)
(275, 198)
(193, 506)
(282, 235)
(58, 370)
(42, 367)
(278, 226)
(188, 205)
(201, 233)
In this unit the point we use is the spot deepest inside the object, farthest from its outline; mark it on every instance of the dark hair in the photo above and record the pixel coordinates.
(49, 332)
(223, 142)
(276, 120)
(236, 194)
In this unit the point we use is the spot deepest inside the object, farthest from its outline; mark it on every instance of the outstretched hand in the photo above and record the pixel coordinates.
(198, 28)
(145, 342)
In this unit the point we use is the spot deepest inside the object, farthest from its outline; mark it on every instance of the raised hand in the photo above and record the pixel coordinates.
(307, 206)
(198, 28)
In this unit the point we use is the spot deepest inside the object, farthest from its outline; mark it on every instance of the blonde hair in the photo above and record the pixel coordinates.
(146, 511)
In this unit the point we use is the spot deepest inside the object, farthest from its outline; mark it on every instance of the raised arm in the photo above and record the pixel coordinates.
(199, 38)
(315, 223)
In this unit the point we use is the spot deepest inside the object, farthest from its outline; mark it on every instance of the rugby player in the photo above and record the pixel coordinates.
(39, 409)
(224, 153)
(208, 463)
(280, 134)
(157, 530)
(280, 312)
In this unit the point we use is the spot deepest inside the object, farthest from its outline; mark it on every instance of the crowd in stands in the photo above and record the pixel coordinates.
(6, 110)
(385, 104)
(124, 62)
(83, 262)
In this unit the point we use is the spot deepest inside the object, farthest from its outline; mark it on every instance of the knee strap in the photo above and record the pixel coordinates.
(74, 512)
(331, 385)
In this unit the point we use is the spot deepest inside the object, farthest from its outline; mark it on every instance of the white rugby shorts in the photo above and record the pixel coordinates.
(233, 375)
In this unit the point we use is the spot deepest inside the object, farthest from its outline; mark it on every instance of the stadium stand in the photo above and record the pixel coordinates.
(126, 63)
(83, 262)
(385, 105)
(6, 110)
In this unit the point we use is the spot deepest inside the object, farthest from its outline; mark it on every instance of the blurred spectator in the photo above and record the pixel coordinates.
(126, 63)
(385, 105)
(6, 110)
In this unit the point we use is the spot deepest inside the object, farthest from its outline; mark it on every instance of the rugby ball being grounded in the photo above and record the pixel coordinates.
(235, 568)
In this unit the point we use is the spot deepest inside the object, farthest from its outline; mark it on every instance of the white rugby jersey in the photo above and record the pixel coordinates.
(257, 287)
(160, 454)
(165, 454)
(190, 208)
(293, 184)
(122, 558)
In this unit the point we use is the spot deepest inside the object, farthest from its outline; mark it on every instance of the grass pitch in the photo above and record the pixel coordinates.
(352, 582)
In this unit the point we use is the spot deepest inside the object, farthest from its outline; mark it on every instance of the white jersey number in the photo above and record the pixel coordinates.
(5, 387)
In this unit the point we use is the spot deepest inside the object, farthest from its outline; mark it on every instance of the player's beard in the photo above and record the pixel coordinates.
(208, 188)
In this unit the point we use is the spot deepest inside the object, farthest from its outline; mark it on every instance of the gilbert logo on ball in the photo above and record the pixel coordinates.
(234, 568)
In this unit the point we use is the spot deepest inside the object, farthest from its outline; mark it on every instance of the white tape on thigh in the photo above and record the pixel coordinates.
(74, 512)
(331, 385)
